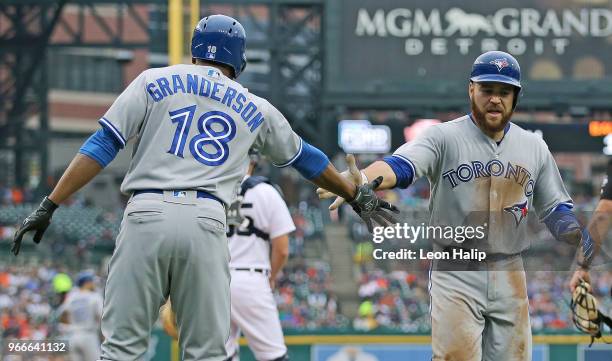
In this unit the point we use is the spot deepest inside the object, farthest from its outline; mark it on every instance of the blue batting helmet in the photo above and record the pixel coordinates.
(84, 277)
(496, 66)
(220, 39)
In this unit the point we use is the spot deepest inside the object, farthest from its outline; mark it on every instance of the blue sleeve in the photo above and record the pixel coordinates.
(403, 171)
(102, 147)
(311, 162)
(563, 220)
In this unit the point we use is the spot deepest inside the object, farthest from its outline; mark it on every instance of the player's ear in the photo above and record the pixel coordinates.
(471, 89)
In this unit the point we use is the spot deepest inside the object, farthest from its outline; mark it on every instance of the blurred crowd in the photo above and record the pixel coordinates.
(29, 298)
(399, 300)
(304, 299)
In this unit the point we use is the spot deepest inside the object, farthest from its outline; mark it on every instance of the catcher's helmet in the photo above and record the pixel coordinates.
(220, 39)
(496, 66)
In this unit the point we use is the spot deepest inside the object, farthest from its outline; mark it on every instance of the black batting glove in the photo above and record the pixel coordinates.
(38, 221)
(371, 208)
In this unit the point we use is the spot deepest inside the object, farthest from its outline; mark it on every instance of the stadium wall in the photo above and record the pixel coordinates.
(393, 347)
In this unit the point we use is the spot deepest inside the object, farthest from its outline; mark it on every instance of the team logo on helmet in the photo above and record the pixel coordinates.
(500, 63)
(518, 211)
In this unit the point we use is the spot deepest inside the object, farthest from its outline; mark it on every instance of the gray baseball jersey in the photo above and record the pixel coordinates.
(183, 115)
(193, 128)
(476, 182)
(84, 309)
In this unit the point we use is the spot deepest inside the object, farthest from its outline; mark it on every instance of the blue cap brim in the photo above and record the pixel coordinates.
(496, 78)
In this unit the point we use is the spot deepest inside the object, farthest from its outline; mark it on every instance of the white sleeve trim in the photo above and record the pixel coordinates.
(410, 164)
(569, 204)
(113, 129)
(293, 159)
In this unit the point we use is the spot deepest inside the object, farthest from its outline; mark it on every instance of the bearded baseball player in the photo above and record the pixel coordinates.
(193, 126)
(485, 171)
(81, 312)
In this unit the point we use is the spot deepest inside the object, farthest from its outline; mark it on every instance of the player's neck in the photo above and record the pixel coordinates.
(495, 135)
(225, 70)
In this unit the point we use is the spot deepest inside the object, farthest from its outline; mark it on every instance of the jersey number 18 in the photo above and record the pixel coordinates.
(209, 146)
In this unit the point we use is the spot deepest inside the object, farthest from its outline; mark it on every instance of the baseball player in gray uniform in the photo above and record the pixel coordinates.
(259, 248)
(192, 126)
(483, 171)
(81, 312)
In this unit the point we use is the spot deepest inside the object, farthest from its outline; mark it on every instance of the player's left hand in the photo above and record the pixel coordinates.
(371, 208)
(579, 275)
(352, 174)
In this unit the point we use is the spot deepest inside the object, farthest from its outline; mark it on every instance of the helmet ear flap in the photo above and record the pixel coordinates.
(517, 94)
(244, 63)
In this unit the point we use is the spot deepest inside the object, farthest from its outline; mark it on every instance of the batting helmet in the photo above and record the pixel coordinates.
(84, 277)
(496, 66)
(220, 39)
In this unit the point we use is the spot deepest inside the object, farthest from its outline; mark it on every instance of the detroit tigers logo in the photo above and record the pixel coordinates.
(519, 211)
(500, 63)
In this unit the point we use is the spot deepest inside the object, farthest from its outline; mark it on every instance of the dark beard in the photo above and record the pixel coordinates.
(481, 121)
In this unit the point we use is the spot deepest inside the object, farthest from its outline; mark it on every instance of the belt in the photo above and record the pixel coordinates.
(259, 270)
(199, 194)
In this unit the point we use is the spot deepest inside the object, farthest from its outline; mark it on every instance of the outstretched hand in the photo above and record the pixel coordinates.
(371, 208)
(352, 174)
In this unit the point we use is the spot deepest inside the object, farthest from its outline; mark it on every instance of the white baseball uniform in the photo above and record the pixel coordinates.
(253, 308)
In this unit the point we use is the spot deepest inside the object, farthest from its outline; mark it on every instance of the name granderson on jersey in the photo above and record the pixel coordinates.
(192, 84)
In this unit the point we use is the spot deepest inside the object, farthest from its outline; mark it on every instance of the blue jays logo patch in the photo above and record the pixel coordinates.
(519, 211)
(500, 63)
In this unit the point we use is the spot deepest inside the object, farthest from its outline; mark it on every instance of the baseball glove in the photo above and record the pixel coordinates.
(585, 314)
(168, 320)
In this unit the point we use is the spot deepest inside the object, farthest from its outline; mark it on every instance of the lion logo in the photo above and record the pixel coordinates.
(467, 24)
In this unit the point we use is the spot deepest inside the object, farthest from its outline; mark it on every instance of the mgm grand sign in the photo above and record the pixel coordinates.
(426, 40)
(515, 30)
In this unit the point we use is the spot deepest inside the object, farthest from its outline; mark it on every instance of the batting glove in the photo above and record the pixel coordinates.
(38, 221)
(371, 208)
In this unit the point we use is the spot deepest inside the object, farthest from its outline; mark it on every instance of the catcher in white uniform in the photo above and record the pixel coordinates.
(259, 226)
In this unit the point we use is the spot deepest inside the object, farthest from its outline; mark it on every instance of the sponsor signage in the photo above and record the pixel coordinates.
(360, 136)
(400, 43)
